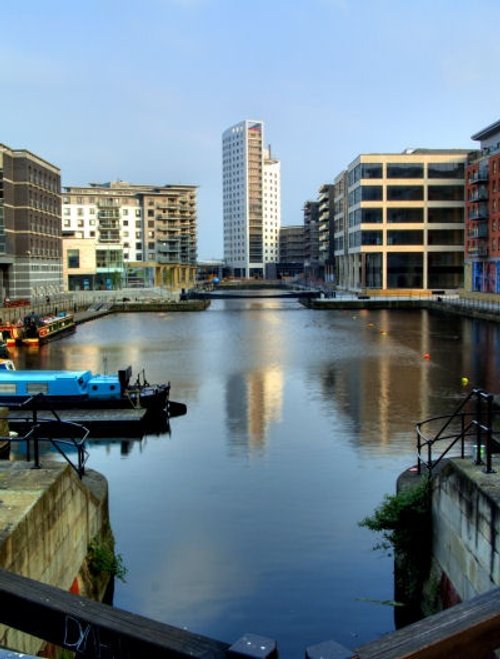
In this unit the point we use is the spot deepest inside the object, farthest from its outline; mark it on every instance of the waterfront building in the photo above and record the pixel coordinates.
(291, 251)
(30, 225)
(251, 183)
(482, 246)
(312, 269)
(339, 237)
(120, 234)
(405, 221)
(325, 231)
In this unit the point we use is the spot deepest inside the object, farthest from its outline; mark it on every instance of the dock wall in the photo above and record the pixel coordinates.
(466, 542)
(48, 517)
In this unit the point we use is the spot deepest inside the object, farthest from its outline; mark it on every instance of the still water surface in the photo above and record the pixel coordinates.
(245, 517)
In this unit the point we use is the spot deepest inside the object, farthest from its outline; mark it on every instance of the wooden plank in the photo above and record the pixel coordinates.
(101, 423)
(469, 629)
(92, 629)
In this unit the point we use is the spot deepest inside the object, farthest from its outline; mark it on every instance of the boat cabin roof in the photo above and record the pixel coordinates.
(47, 375)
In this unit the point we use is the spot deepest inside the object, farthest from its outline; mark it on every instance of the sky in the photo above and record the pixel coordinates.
(142, 90)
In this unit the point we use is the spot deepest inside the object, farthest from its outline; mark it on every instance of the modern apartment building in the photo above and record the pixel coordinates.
(404, 223)
(30, 225)
(251, 186)
(482, 228)
(312, 267)
(325, 223)
(119, 235)
(291, 258)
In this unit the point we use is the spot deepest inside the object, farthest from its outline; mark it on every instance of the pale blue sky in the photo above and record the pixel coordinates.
(142, 91)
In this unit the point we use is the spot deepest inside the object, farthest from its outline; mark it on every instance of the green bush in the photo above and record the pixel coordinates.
(102, 558)
(403, 519)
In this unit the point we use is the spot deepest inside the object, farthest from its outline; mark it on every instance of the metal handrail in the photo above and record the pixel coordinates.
(42, 430)
(480, 425)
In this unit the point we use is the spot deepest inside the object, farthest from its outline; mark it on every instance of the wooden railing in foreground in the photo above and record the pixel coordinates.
(99, 631)
(470, 630)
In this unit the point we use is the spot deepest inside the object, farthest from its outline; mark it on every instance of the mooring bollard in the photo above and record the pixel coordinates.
(252, 646)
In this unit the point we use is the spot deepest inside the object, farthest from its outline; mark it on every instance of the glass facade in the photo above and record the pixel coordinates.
(405, 170)
(445, 193)
(405, 270)
(371, 215)
(372, 193)
(373, 270)
(405, 192)
(445, 215)
(395, 208)
(405, 237)
(405, 215)
(445, 237)
(372, 238)
(446, 170)
(445, 270)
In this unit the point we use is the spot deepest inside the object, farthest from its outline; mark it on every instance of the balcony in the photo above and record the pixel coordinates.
(479, 194)
(481, 176)
(479, 212)
(478, 250)
(479, 231)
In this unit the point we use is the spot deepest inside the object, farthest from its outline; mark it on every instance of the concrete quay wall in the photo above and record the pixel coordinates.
(466, 540)
(48, 517)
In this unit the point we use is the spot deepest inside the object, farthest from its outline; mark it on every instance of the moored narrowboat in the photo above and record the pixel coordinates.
(47, 389)
(41, 329)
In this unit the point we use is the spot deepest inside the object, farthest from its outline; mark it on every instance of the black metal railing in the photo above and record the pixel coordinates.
(472, 423)
(66, 437)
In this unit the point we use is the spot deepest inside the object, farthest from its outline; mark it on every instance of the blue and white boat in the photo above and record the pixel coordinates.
(44, 389)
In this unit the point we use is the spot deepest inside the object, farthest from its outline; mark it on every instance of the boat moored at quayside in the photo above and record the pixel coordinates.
(58, 390)
(37, 329)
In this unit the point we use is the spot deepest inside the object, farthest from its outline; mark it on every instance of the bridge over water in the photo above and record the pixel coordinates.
(235, 290)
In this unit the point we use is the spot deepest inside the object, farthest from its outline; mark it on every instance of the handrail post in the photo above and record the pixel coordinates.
(462, 446)
(479, 415)
(489, 420)
(36, 447)
(419, 448)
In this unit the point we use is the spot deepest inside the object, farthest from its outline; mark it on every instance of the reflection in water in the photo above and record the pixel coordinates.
(324, 403)
(254, 401)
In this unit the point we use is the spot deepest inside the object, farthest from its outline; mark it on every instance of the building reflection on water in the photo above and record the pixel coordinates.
(254, 400)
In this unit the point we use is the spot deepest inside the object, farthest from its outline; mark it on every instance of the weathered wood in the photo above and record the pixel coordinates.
(469, 629)
(253, 646)
(91, 629)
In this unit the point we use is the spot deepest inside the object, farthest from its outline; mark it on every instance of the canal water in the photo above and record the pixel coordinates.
(244, 518)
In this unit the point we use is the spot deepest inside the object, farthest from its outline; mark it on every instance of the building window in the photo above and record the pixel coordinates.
(372, 238)
(445, 193)
(445, 215)
(370, 215)
(371, 193)
(405, 237)
(73, 257)
(371, 170)
(404, 215)
(405, 170)
(405, 192)
(404, 270)
(446, 170)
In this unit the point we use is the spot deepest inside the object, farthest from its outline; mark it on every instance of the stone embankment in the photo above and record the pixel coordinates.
(48, 519)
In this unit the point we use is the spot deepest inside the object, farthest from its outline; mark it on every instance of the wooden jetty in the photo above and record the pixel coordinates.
(132, 423)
